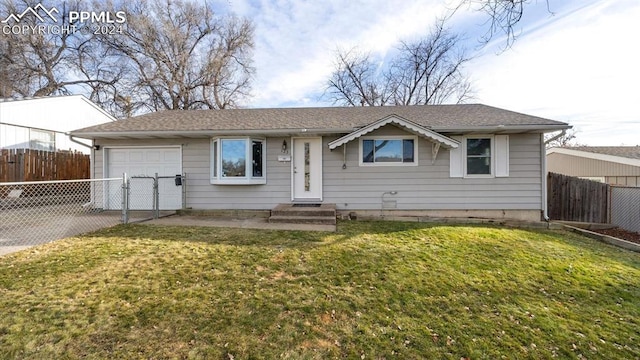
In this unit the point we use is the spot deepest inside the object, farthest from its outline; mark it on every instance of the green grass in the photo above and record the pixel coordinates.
(374, 290)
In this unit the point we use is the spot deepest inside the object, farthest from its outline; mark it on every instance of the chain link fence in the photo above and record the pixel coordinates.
(34, 213)
(625, 207)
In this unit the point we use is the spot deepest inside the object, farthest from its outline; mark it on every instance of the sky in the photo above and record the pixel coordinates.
(576, 61)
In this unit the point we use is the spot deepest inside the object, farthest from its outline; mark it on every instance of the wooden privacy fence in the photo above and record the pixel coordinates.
(17, 165)
(573, 199)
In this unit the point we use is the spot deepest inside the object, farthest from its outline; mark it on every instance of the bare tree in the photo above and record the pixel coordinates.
(429, 70)
(356, 81)
(425, 71)
(504, 15)
(5, 82)
(40, 63)
(566, 139)
(182, 56)
(170, 54)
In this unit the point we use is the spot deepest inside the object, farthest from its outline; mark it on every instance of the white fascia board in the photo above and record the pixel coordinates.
(595, 156)
(146, 134)
(412, 127)
(502, 129)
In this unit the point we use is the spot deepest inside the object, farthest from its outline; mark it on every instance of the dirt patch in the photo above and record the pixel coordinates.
(620, 234)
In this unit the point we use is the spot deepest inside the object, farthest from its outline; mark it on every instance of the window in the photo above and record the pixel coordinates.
(479, 156)
(388, 151)
(238, 161)
(42, 140)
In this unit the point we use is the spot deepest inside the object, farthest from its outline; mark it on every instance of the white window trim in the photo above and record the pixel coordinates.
(390, 137)
(245, 180)
(493, 157)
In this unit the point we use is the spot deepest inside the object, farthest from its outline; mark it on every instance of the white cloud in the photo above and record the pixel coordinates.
(581, 68)
(579, 65)
(296, 40)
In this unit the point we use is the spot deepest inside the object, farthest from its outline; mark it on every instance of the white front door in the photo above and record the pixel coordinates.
(307, 169)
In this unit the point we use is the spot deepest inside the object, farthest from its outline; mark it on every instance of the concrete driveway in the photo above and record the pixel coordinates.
(23, 228)
(35, 225)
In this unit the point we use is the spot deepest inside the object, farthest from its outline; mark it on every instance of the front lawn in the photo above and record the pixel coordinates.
(373, 290)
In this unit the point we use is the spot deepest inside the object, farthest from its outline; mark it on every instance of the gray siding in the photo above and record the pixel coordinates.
(428, 186)
(201, 194)
(423, 187)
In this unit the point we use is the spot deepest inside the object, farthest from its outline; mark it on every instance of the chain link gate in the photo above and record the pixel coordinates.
(144, 200)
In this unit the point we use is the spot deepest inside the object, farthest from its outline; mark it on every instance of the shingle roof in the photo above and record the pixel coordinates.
(631, 152)
(437, 117)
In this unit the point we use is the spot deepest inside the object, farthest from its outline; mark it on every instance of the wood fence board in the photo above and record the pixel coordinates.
(574, 199)
(17, 165)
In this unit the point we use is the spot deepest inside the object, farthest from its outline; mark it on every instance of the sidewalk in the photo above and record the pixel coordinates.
(252, 223)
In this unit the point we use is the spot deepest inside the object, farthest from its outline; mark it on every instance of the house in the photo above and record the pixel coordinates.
(614, 165)
(43, 123)
(467, 160)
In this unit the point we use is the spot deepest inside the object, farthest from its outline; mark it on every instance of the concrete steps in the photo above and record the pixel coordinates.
(323, 214)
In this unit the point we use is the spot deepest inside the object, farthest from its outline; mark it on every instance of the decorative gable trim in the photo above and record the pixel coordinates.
(412, 127)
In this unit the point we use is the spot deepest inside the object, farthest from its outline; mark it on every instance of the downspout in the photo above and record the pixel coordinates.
(543, 178)
(91, 156)
(78, 142)
(562, 133)
(543, 173)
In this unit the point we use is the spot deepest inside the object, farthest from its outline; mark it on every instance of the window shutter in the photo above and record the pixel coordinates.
(455, 159)
(502, 155)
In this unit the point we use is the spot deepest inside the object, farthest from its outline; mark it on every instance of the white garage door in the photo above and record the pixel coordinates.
(141, 162)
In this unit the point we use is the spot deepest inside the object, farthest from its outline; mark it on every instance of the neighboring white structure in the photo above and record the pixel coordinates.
(43, 123)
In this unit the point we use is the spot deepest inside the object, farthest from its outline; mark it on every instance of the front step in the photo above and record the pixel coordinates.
(324, 214)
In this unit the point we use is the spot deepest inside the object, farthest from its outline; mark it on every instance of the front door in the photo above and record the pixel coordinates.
(307, 169)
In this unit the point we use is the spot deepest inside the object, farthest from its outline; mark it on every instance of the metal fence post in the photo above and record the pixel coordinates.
(125, 199)
(156, 198)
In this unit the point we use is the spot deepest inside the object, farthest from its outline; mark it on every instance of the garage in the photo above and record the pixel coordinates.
(141, 164)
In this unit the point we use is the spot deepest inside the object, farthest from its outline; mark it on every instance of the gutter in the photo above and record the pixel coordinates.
(205, 133)
(502, 128)
(78, 142)
(290, 131)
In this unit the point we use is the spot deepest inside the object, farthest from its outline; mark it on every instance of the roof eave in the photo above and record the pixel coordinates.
(155, 134)
(504, 128)
(163, 134)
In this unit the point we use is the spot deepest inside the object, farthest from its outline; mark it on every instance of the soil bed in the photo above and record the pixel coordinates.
(621, 234)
